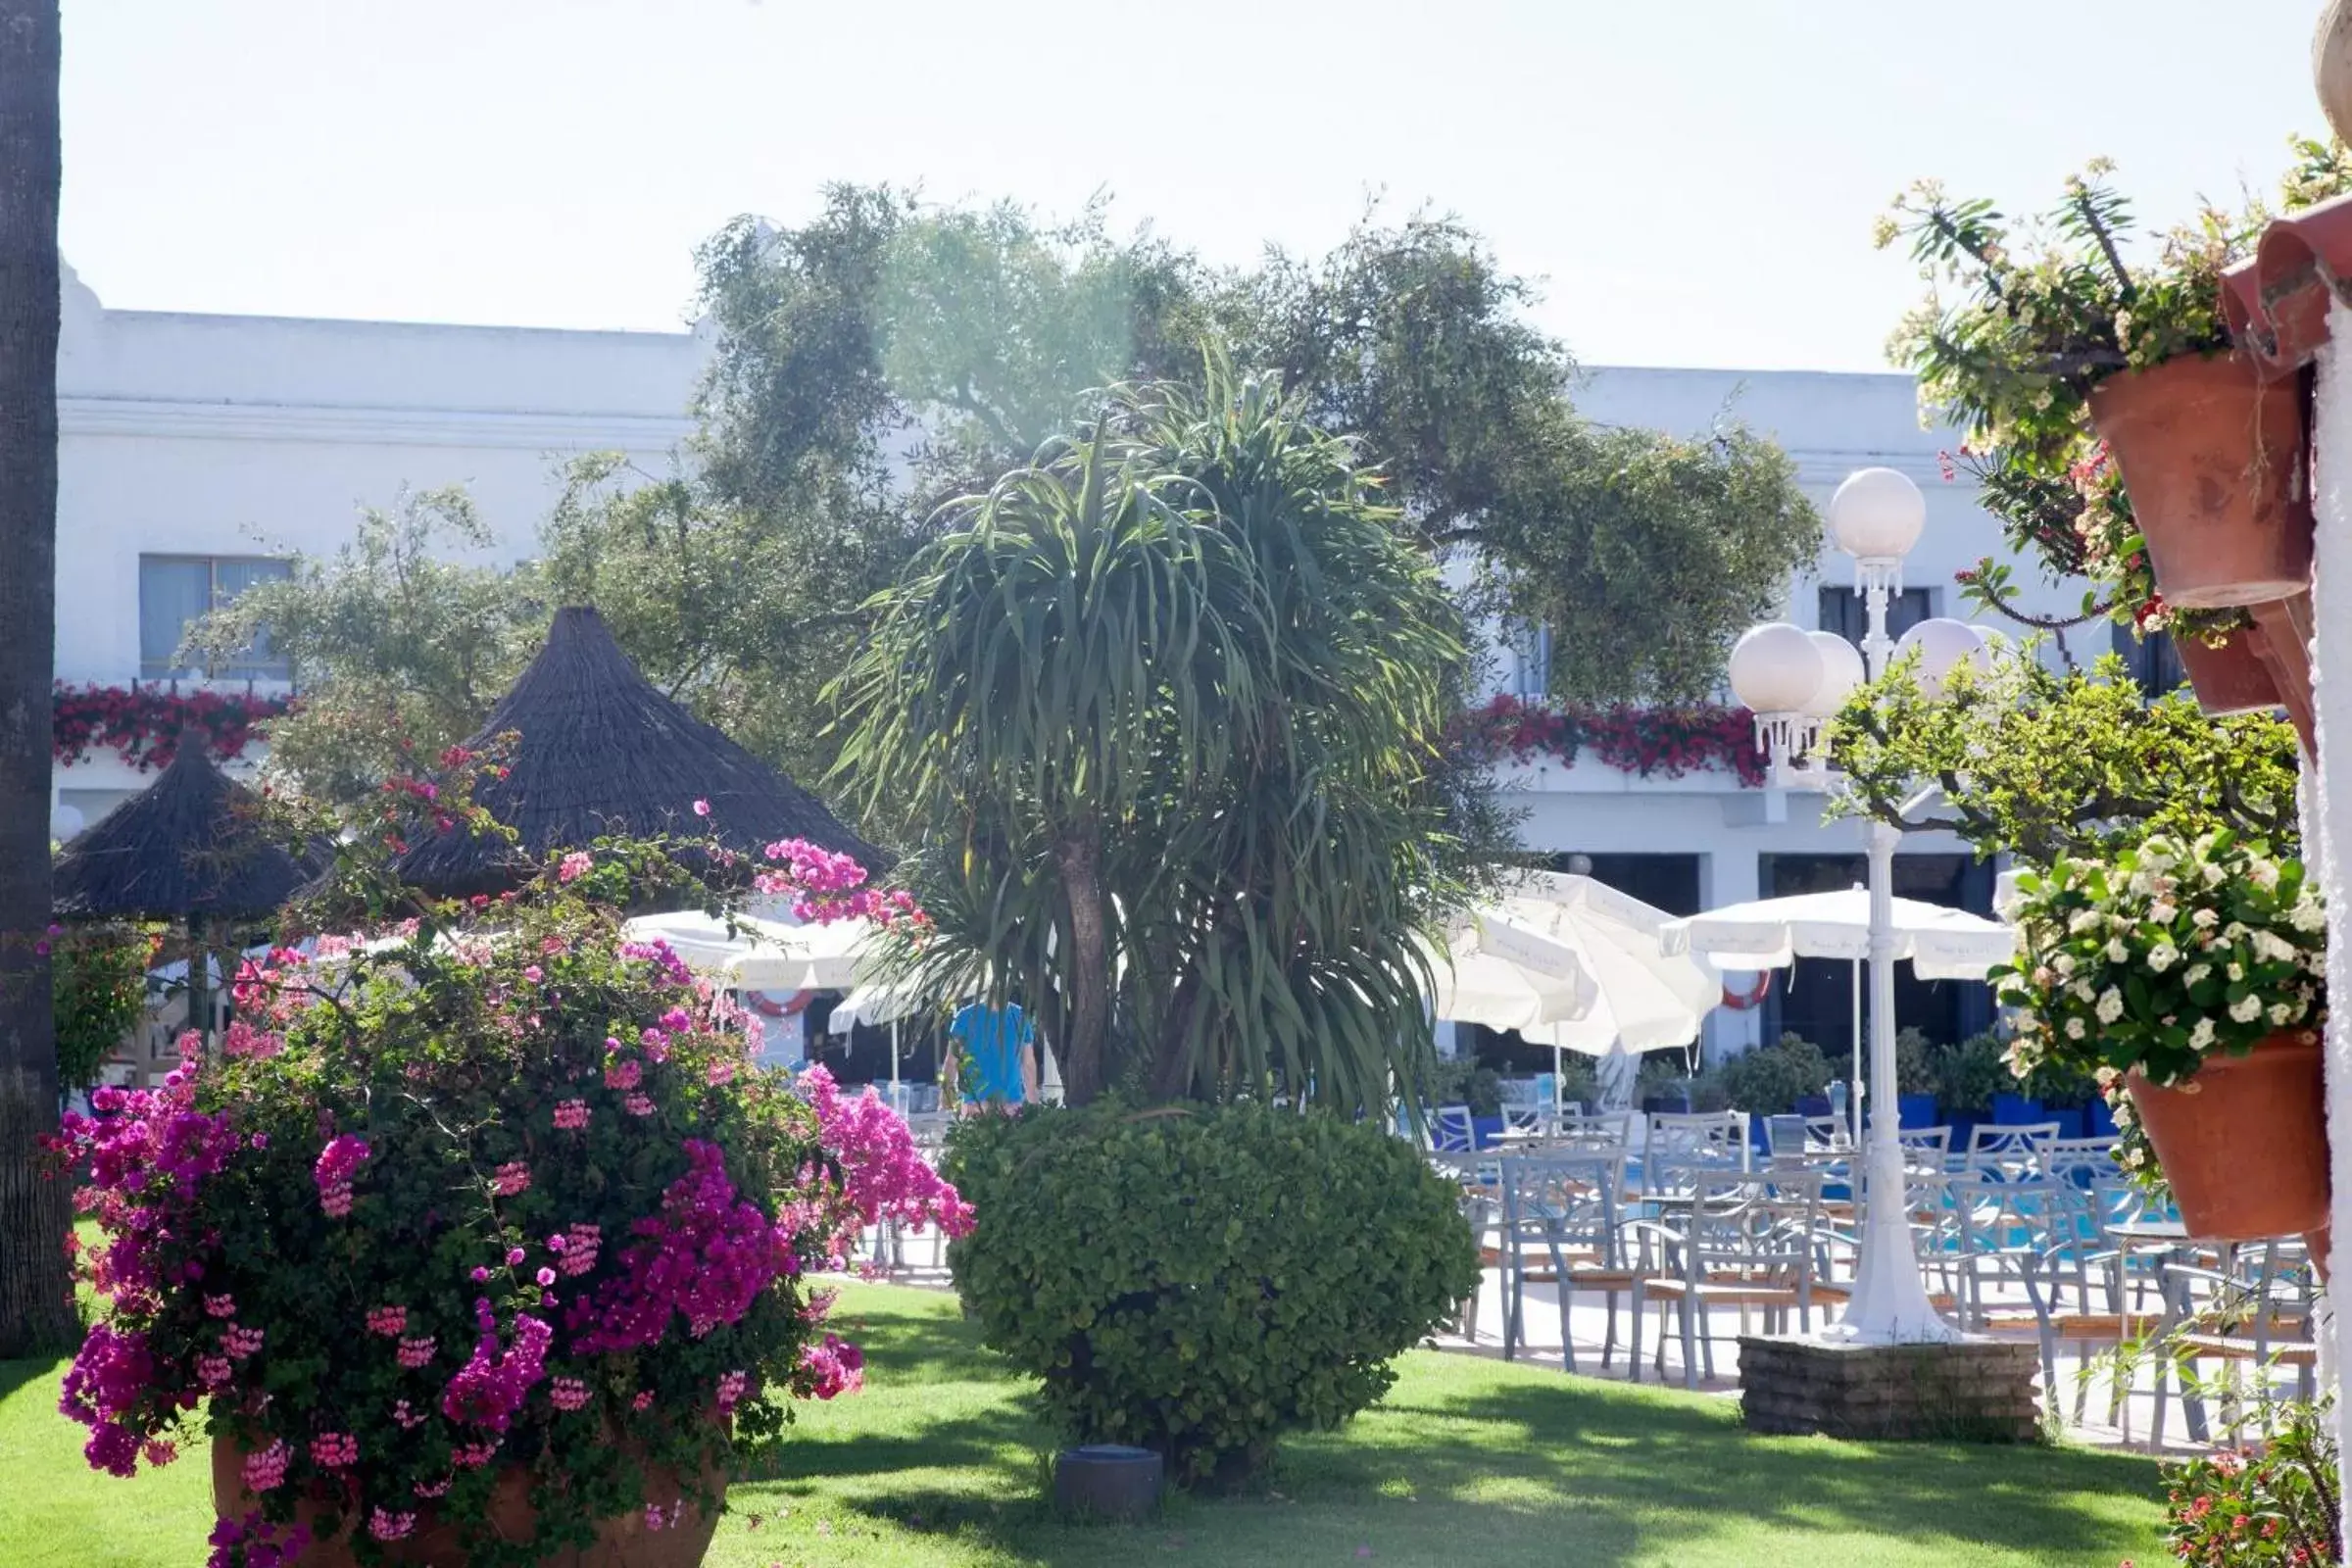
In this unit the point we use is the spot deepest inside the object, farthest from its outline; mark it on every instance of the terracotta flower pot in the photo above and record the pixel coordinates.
(2212, 457)
(2231, 679)
(622, 1542)
(2286, 628)
(2244, 1143)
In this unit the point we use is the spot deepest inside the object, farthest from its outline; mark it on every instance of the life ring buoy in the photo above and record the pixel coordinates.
(758, 1003)
(1741, 1000)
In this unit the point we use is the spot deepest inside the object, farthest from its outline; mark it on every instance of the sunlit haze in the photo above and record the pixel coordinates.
(1694, 180)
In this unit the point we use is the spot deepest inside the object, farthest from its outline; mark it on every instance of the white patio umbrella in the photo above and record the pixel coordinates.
(1473, 983)
(1940, 942)
(761, 955)
(1574, 964)
(1645, 998)
(1641, 998)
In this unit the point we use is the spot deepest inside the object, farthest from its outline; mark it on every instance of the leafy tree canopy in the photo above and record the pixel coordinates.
(2043, 764)
(402, 643)
(888, 356)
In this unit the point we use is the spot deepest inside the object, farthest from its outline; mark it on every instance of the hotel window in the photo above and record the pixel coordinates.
(1844, 613)
(174, 590)
(1528, 647)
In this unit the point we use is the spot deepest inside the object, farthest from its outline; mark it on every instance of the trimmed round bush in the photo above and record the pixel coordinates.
(1198, 1281)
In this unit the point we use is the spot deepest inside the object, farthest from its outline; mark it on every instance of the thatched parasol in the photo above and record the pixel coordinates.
(191, 847)
(599, 751)
(191, 842)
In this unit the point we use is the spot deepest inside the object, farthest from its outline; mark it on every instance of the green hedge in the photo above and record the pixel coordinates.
(1200, 1281)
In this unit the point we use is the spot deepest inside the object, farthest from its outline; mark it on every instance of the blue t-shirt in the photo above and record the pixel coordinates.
(993, 1041)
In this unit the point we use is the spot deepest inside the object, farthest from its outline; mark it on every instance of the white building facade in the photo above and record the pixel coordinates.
(197, 452)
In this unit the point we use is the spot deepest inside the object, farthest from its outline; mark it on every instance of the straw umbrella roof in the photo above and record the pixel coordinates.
(599, 751)
(189, 844)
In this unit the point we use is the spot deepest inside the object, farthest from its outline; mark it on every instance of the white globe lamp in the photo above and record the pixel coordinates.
(1776, 669)
(1877, 514)
(1841, 673)
(65, 822)
(1943, 645)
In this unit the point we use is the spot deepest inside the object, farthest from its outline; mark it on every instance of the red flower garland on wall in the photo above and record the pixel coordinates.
(144, 724)
(1667, 742)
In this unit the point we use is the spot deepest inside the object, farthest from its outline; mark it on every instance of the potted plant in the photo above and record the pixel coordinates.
(2122, 435)
(485, 1241)
(2186, 976)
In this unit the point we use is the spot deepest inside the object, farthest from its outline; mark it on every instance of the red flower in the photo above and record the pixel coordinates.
(1667, 741)
(144, 726)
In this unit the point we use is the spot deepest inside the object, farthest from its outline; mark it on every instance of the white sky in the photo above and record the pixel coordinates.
(1692, 179)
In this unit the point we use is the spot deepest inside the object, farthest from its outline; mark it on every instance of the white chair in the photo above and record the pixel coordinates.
(1561, 1227)
(1741, 1242)
(2011, 1151)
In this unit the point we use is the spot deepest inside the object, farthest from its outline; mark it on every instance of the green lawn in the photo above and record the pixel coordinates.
(1469, 1462)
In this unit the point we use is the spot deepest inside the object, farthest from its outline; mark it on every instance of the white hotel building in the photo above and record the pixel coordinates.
(197, 450)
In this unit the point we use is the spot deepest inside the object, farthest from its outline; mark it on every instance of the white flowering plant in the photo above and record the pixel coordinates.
(2159, 957)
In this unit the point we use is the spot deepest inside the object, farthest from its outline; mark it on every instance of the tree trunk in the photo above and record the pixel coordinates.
(36, 1303)
(1080, 860)
(1171, 1070)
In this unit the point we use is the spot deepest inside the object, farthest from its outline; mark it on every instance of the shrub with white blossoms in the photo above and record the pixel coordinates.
(2159, 957)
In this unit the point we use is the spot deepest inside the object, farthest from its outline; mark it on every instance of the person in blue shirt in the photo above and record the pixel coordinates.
(999, 1055)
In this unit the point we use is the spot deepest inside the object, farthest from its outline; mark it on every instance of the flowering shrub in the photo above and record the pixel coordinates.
(2272, 1504)
(501, 1191)
(1663, 741)
(144, 725)
(2158, 955)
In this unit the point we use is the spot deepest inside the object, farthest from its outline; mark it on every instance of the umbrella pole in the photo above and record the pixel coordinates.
(1853, 1099)
(199, 984)
(1559, 1064)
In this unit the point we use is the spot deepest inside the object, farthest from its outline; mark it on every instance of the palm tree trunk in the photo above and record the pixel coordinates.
(1080, 860)
(1171, 1065)
(36, 1301)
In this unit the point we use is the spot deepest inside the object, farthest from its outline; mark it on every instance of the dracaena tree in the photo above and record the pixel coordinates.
(1164, 707)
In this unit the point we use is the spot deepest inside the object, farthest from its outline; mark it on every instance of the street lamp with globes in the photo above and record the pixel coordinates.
(1793, 681)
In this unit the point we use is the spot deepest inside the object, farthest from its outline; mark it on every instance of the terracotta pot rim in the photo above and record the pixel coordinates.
(2280, 1042)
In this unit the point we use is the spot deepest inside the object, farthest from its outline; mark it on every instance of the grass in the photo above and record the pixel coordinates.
(938, 1463)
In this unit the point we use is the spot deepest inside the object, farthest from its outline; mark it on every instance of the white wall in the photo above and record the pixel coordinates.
(256, 435)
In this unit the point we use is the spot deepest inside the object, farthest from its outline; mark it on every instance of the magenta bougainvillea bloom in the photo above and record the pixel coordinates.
(562, 1206)
(145, 727)
(337, 1162)
(1665, 742)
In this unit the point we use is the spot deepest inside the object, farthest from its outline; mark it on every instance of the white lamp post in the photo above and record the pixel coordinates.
(1793, 681)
